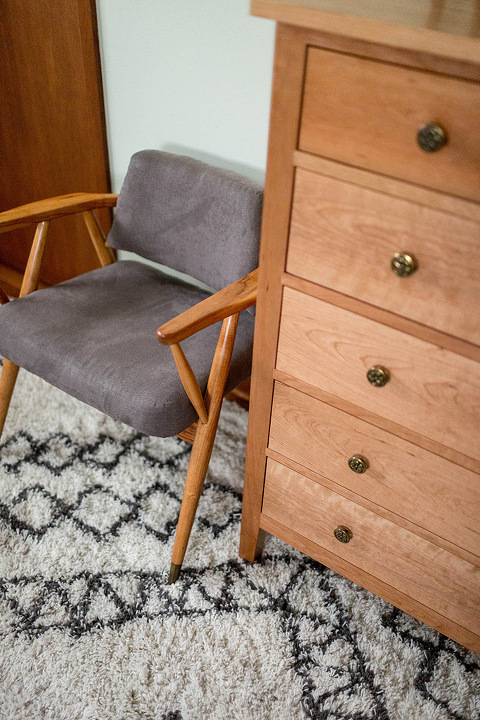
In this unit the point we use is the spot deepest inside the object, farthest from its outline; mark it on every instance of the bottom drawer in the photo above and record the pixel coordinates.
(438, 579)
(421, 487)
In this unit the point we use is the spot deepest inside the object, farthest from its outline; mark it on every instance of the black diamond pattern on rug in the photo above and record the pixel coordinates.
(86, 603)
(326, 646)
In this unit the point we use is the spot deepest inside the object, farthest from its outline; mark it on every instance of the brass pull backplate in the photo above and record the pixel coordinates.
(431, 138)
(378, 376)
(343, 534)
(358, 464)
(403, 264)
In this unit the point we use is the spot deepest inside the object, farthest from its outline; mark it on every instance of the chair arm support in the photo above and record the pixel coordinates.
(232, 299)
(54, 207)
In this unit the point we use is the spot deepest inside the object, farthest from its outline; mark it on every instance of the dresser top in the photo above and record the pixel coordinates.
(449, 28)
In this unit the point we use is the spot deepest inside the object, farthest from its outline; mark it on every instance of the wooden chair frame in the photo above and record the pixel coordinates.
(223, 305)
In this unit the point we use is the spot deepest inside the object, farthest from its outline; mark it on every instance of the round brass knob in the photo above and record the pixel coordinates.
(378, 376)
(358, 464)
(431, 138)
(403, 264)
(343, 534)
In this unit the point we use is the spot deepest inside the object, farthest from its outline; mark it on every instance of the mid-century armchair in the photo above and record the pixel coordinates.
(96, 336)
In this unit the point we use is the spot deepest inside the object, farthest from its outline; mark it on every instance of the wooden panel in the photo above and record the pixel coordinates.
(457, 17)
(373, 507)
(449, 28)
(366, 113)
(52, 130)
(378, 421)
(286, 103)
(400, 322)
(431, 391)
(417, 485)
(344, 237)
(435, 577)
(454, 65)
(399, 188)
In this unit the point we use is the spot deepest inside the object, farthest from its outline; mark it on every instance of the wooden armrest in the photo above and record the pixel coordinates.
(55, 207)
(231, 300)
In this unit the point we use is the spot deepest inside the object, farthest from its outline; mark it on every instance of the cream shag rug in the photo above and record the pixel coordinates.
(90, 630)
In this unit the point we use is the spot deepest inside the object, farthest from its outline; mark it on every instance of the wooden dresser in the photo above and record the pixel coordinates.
(364, 432)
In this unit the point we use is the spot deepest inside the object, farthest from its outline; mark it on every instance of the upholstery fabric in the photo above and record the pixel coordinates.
(192, 217)
(95, 337)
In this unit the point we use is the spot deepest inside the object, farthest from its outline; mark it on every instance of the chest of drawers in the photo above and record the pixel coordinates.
(364, 433)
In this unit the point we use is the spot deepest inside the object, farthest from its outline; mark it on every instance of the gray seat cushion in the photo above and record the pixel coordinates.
(95, 338)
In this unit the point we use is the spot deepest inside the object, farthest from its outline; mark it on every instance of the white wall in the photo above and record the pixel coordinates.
(186, 76)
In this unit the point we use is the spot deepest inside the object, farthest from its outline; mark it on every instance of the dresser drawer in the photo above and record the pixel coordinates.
(367, 113)
(345, 238)
(435, 577)
(431, 391)
(407, 480)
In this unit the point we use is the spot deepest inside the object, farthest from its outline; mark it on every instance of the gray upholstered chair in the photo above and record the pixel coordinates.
(96, 336)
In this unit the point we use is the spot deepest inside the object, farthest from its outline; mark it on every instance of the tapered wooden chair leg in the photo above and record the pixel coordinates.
(197, 470)
(203, 443)
(29, 284)
(7, 385)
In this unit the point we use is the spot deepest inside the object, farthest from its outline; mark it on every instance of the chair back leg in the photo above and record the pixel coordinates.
(29, 284)
(7, 385)
(203, 443)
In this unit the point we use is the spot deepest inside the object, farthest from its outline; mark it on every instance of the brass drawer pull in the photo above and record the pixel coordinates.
(431, 138)
(358, 464)
(378, 376)
(343, 534)
(403, 264)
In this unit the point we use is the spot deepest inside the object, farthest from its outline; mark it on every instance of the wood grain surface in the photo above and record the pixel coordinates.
(417, 485)
(441, 580)
(344, 237)
(52, 127)
(431, 390)
(444, 29)
(367, 114)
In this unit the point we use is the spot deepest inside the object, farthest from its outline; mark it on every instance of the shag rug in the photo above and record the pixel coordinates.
(91, 631)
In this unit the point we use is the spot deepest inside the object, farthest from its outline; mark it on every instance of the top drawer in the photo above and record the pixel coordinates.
(367, 113)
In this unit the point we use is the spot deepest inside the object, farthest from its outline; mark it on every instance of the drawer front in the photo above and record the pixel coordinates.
(367, 113)
(420, 569)
(345, 238)
(431, 391)
(417, 485)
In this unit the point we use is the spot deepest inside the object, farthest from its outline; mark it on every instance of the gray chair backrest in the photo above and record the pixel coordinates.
(190, 216)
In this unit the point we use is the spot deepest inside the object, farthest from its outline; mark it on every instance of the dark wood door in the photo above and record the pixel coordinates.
(52, 126)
